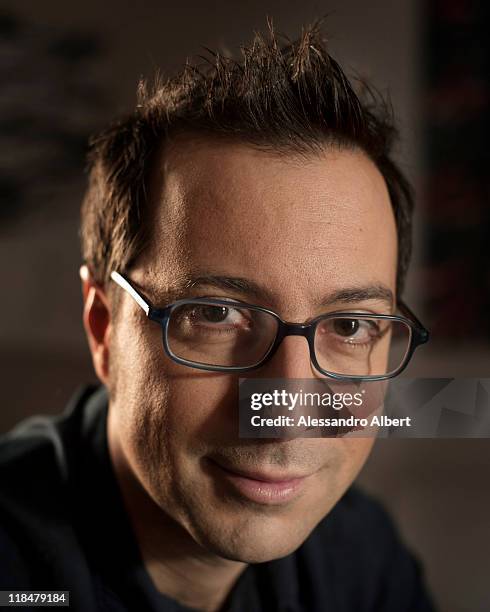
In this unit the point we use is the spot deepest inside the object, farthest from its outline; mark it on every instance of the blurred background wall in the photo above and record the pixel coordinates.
(66, 69)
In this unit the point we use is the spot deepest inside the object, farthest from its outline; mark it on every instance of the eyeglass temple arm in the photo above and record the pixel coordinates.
(136, 295)
(409, 313)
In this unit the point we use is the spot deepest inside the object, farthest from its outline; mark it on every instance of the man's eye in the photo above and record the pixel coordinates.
(214, 314)
(346, 327)
(211, 315)
(354, 331)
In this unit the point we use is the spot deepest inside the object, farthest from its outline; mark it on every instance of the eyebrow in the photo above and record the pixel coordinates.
(346, 295)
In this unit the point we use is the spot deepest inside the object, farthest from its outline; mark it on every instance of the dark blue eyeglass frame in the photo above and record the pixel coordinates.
(418, 333)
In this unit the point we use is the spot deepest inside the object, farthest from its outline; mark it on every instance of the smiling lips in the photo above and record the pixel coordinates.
(261, 487)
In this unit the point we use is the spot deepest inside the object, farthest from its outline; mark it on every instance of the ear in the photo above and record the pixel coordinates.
(97, 323)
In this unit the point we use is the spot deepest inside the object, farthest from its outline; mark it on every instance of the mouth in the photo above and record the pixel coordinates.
(261, 486)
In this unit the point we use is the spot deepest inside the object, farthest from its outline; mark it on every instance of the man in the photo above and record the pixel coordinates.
(266, 182)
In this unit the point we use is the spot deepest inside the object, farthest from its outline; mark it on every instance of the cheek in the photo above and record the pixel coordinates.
(138, 391)
(354, 453)
(350, 455)
(167, 414)
(176, 420)
(202, 415)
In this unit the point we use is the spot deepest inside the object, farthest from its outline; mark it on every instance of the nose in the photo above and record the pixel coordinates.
(291, 360)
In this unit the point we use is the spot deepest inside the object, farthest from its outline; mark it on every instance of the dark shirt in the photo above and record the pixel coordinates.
(63, 526)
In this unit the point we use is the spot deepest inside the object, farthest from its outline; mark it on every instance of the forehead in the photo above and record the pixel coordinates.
(299, 224)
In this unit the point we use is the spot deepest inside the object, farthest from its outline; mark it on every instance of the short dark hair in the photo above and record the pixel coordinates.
(285, 98)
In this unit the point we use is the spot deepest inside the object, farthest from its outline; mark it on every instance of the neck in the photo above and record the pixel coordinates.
(178, 566)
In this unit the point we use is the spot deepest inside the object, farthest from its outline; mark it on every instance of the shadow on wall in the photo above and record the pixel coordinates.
(50, 105)
(457, 103)
(53, 98)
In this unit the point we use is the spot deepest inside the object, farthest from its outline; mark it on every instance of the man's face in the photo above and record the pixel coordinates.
(301, 229)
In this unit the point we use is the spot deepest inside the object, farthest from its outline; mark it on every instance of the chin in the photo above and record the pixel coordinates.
(255, 551)
(261, 555)
(252, 540)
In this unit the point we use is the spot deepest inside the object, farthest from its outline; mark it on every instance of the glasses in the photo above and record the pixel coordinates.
(231, 336)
